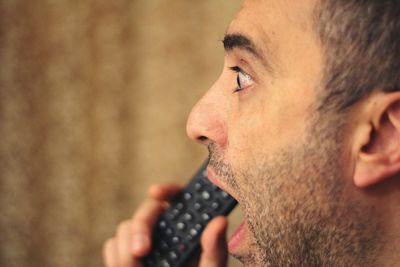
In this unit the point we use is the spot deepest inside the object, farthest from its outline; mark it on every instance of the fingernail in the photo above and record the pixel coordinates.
(139, 241)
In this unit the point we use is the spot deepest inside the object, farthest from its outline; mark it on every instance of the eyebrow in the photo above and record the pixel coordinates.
(240, 41)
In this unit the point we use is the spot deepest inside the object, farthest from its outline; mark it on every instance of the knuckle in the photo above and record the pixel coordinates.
(123, 227)
(146, 209)
(152, 188)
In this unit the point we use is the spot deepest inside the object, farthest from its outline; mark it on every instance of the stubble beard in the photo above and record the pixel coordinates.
(298, 204)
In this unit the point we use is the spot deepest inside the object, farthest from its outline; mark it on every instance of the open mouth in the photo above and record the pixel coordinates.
(237, 237)
(212, 177)
(239, 233)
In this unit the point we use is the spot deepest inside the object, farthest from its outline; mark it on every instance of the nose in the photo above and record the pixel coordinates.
(207, 120)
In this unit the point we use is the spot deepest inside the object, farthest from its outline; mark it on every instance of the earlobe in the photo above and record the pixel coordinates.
(379, 158)
(374, 170)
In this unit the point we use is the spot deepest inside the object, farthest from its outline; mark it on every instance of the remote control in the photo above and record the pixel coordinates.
(176, 235)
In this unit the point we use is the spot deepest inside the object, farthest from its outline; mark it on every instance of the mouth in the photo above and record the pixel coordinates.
(212, 177)
(239, 234)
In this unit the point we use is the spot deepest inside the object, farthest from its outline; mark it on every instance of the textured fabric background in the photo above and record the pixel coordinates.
(94, 96)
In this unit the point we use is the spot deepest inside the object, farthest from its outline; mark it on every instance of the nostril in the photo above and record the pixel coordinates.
(202, 138)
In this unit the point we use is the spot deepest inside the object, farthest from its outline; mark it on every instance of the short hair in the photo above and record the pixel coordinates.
(361, 44)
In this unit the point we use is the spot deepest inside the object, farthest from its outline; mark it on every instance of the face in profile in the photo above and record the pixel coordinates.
(270, 148)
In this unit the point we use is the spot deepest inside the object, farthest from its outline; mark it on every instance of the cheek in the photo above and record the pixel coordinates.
(244, 135)
(253, 130)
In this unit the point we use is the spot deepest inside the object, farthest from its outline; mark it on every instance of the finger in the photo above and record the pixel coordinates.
(142, 225)
(213, 243)
(164, 192)
(110, 256)
(125, 258)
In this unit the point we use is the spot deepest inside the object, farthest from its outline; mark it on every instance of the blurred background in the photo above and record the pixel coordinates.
(94, 97)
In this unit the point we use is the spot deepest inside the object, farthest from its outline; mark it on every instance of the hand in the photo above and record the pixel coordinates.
(133, 237)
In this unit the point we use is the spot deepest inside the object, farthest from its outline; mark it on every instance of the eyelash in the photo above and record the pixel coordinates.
(239, 72)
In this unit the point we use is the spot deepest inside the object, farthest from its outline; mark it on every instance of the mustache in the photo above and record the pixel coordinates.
(214, 157)
(216, 161)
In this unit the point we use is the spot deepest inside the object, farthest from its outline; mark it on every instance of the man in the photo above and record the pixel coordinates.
(303, 129)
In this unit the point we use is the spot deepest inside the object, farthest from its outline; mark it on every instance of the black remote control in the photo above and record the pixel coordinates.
(176, 236)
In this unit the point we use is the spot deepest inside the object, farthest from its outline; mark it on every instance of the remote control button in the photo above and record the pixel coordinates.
(189, 237)
(157, 254)
(180, 226)
(179, 206)
(193, 232)
(205, 195)
(176, 240)
(198, 227)
(173, 255)
(205, 216)
(175, 212)
(170, 216)
(182, 247)
(165, 263)
(198, 186)
(187, 196)
(162, 224)
(164, 245)
(188, 217)
(169, 231)
(224, 194)
(197, 206)
(215, 205)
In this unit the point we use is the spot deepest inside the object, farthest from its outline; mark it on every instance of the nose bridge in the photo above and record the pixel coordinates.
(207, 120)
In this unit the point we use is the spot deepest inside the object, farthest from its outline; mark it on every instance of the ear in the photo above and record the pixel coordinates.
(379, 153)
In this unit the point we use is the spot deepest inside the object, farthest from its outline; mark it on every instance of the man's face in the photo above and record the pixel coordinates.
(271, 149)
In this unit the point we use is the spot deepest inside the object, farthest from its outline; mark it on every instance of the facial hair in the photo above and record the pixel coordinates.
(300, 208)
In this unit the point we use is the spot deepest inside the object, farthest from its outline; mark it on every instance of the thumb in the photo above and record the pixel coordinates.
(213, 243)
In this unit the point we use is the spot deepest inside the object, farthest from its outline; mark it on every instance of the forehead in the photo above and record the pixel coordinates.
(298, 12)
(269, 17)
(280, 28)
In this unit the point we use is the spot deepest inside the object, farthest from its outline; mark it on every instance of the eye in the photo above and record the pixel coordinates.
(243, 79)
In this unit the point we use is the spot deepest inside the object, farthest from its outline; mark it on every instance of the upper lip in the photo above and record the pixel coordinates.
(213, 179)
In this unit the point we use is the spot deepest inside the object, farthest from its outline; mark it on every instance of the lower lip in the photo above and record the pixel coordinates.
(237, 237)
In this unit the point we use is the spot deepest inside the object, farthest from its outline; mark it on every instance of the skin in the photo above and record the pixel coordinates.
(317, 189)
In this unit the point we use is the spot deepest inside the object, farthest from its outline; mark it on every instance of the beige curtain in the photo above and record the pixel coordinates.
(94, 96)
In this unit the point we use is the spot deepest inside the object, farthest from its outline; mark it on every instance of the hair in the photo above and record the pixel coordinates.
(361, 44)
